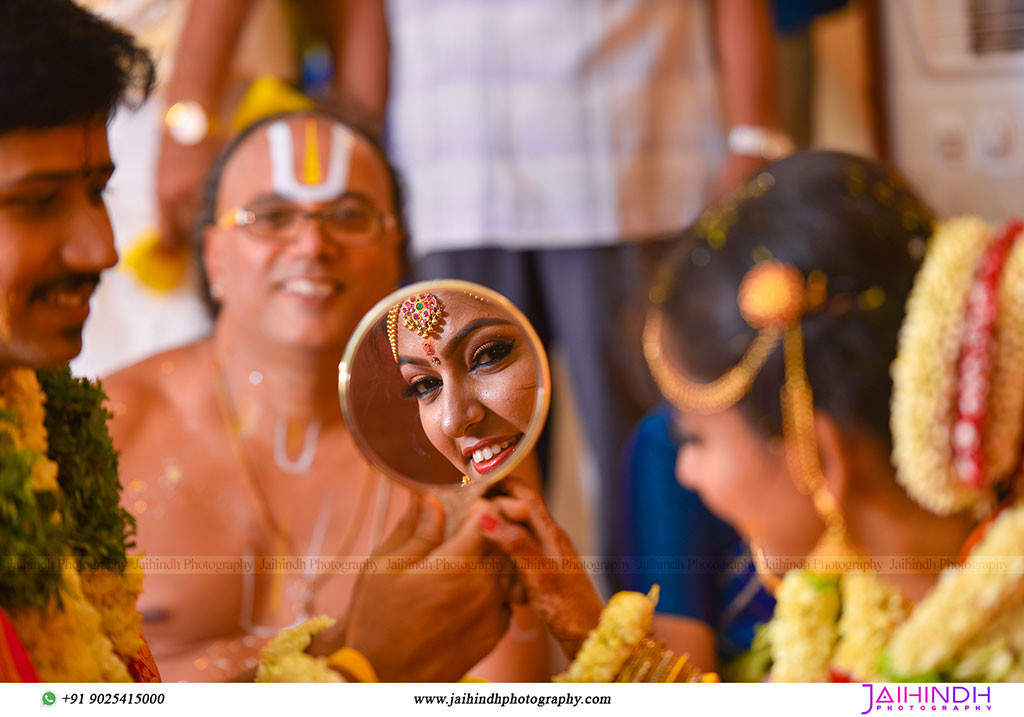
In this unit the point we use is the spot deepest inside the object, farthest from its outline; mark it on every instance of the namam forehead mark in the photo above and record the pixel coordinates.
(305, 158)
(295, 164)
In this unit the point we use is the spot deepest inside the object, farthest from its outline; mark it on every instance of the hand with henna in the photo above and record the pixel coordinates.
(558, 589)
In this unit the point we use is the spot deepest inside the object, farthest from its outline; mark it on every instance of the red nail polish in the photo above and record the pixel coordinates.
(487, 522)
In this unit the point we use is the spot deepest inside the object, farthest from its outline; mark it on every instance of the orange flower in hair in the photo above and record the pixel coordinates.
(771, 295)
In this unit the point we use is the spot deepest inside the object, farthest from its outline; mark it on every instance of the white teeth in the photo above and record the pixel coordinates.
(488, 452)
(308, 287)
(68, 299)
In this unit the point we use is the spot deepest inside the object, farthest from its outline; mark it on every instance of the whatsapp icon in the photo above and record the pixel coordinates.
(49, 698)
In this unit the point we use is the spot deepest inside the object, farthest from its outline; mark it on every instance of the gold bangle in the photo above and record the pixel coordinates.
(620, 648)
(353, 663)
(652, 661)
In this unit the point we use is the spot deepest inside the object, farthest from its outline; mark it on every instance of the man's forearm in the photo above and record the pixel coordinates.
(747, 61)
(205, 50)
(359, 40)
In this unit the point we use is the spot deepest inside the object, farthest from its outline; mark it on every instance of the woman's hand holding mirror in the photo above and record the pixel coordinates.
(439, 598)
(557, 585)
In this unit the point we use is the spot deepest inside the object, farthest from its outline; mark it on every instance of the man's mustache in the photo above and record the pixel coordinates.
(67, 282)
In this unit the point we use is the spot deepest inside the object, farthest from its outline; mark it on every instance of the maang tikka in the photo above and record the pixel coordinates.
(420, 314)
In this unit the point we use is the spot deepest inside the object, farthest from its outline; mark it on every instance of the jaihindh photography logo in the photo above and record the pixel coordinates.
(927, 698)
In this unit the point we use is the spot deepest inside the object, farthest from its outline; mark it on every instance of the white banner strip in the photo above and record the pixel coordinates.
(292, 700)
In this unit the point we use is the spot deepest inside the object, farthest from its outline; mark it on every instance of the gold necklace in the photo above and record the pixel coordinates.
(769, 580)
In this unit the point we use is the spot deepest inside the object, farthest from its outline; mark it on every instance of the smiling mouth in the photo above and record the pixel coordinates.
(310, 288)
(491, 455)
(67, 294)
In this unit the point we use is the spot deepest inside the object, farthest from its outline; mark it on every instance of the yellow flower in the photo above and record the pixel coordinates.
(68, 645)
(20, 395)
(20, 392)
(625, 621)
(114, 596)
(284, 658)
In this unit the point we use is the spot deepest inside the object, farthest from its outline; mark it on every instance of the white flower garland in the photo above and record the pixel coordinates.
(970, 626)
(871, 611)
(803, 631)
(966, 600)
(925, 370)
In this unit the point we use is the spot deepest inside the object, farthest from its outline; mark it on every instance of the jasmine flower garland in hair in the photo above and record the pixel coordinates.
(926, 372)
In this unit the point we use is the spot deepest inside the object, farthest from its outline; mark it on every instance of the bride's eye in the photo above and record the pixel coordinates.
(422, 387)
(491, 353)
(680, 436)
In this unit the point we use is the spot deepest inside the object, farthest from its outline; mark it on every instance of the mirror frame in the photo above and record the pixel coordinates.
(379, 312)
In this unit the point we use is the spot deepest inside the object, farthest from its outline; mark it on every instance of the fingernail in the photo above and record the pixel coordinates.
(487, 522)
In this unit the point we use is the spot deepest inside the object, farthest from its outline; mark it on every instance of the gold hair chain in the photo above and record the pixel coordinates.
(801, 441)
(720, 394)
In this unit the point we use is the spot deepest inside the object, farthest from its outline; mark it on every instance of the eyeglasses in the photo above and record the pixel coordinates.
(348, 222)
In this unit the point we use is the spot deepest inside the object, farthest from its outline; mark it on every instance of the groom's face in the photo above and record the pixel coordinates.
(55, 239)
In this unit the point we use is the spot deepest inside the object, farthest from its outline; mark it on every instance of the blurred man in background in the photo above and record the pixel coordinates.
(235, 445)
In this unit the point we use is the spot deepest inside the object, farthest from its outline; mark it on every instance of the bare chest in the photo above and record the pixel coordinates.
(239, 547)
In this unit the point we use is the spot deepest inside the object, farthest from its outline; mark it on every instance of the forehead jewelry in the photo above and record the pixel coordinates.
(420, 314)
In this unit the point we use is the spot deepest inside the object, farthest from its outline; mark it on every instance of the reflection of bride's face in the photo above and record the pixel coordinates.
(477, 404)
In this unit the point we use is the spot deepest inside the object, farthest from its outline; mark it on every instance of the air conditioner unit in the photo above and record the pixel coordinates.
(954, 78)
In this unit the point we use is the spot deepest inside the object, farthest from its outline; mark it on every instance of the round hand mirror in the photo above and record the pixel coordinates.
(445, 386)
